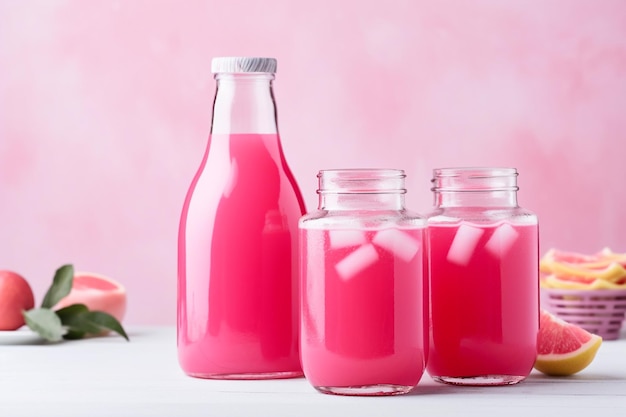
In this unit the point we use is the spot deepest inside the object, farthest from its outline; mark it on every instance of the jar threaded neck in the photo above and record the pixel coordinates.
(361, 188)
(486, 186)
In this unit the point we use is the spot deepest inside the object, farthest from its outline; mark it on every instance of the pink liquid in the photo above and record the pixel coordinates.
(238, 290)
(484, 300)
(363, 309)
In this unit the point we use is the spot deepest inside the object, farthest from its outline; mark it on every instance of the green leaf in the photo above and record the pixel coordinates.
(77, 320)
(61, 286)
(107, 321)
(73, 335)
(80, 322)
(45, 322)
(66, 314)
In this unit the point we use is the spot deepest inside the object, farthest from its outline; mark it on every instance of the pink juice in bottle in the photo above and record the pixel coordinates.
(362, 309)
(484, 291)
(238, 285)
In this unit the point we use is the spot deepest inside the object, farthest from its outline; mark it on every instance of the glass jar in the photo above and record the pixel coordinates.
(364, 300)
(238, 311)
(484, 279)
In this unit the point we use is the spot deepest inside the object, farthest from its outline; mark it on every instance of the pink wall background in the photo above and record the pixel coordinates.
(105, 110)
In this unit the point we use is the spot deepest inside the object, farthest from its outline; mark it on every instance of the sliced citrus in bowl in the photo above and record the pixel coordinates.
(603, 270)
(98, 293)
(564, 348)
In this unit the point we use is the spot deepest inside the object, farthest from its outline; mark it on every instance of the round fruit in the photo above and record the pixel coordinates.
(98, 293)
(564, 348)
(15, 296)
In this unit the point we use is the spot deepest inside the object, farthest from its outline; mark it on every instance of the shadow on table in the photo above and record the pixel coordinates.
(430, 387)
(582, 377)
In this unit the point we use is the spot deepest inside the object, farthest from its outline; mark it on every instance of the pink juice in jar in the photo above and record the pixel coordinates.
(238, 288)
(484, 292)
(363, 300)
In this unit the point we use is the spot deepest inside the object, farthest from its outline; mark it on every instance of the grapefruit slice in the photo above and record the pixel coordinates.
(555, 255)
(611, 272)
(605, 269)
(98, 293)
(580, 283)
(563, 348)
(608, 254)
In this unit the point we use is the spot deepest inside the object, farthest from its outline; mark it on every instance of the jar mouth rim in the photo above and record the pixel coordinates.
(357, 174)
(474, 190)
(474, 179)
(361, 181)
(474, 172)
(356, 191)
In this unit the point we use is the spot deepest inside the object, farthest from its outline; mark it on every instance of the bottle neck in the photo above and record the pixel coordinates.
(244, 103)
(361, 189)
(475, 187)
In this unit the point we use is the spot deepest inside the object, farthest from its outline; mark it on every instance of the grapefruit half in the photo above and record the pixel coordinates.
(563, 348)
(98, 293)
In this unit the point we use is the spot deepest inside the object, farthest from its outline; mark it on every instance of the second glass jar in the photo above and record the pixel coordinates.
(363, 293)
(484, 279)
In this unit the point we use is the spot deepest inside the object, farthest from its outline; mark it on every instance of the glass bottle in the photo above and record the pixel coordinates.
(238, 307)
(364, 300)
(484, 279)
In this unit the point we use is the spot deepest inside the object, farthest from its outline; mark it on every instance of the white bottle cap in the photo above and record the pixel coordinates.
(243, 64)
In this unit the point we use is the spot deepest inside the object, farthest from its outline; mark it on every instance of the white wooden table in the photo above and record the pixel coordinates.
(111, 377)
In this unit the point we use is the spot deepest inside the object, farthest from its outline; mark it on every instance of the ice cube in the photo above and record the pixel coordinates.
(357, 261)
(344, 238)
(501, 240)
(397, 242)
(464, 243)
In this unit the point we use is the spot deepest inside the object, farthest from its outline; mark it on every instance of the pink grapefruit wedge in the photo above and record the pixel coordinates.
(564, 348)
(98, 293)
